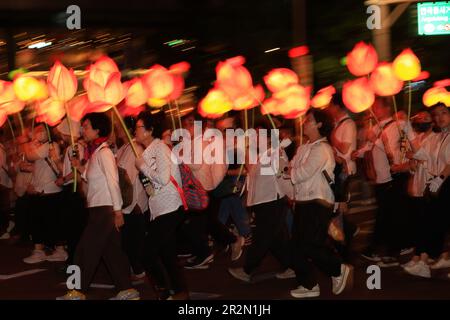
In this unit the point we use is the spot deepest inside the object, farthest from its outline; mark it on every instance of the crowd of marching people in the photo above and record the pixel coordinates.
(130, 205)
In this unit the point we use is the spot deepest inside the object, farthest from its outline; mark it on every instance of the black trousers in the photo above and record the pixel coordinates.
(198, 225)
(46, 219)
(4, 208)
(160, 256)
(270, 235)
(22, 217)
(75, 215)
(133, 236)
(309, 245)
(101, 240)
(384, 197)
(439, 218)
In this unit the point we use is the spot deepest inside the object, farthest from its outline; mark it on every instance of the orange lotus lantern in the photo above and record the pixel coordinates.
(101, 70)
(50, 111)
(3, 117)
(252, 99)
(8, 100)
(384, 82)
(136, 94)
(27, 88)
(293, 101)
(280, 79)
(158, 82)
(406, 65)
(442, 83)
(62, 83)
(323, 97)
(111, 94)
(270, 106)
(215, 104)
(436, 95)
(233, 78)
(77, 107)
(357, 95)
(362, 59)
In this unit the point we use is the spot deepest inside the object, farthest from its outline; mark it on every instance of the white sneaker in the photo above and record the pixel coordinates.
(286, 274)
(406, 251)
(10, 226)
(441, 264)
(420, 269)
(36, 257)
(129, 294)
(59, 255)
(302, 292)
(343, 280)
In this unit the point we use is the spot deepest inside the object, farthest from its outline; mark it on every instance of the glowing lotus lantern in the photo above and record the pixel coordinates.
(270, 106)
(252, 99)
(293, 101)
(357, 95)
(323, 97)
(384, 82)
(101, 70)
(3, 117)
(159, 83)
(103, 98)
(436, 95)
(28, 89)
(362, 59)
(280, 79)
(215, 104)
(136, 94)
(77, 107)
(50, 111)
(8, 100)
(233, 78)
(442, 83)
(406, 65)
(62, 83)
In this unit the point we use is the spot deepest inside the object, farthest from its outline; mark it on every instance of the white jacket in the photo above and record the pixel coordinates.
(102, 179)
(307, 175)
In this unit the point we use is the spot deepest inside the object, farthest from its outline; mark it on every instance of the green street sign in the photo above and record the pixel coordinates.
(433, 18)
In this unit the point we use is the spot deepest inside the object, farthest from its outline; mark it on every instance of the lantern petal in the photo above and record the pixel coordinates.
(280, 79)
(384, 82)
(406, 65)
(362, 59)
(357, 95)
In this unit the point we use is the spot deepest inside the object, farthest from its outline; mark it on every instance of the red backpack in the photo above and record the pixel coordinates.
(192, 193)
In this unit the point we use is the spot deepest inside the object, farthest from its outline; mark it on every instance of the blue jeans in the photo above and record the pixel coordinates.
(233, 206)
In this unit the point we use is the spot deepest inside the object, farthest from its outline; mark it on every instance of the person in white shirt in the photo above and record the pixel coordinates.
(133, 231)
(390, 173)
(45, 197)
(101, 238)
(421, 204)
(160, 256)
(439, 184)
(343, 139)
(270, 207)
(75, 213)
(311, 173)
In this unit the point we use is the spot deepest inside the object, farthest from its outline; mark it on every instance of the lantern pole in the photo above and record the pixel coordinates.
(12, 130)
(178, 112)
(22, 129)
(171, 115)
(130, 138)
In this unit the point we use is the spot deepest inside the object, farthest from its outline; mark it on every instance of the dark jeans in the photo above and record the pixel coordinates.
(46, 219)
(199, 224)
(133, 236)
(381, 234)
(270, 235)
(160, 255)
(101, 240)
(439, 218)
(309, 243)
(75, 215)
(4, 208)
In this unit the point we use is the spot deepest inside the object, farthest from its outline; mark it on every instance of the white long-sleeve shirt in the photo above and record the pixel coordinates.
(421, 175)
(126, 159)
(436, 152)
(263, 179)
(159, 167)
(102, 179)
(307, 175)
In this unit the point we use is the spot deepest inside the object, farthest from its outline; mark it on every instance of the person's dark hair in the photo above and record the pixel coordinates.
(322, 117)
(438, 105)
(337, 100)
(152, 122)
(130, 122)
(100, 122)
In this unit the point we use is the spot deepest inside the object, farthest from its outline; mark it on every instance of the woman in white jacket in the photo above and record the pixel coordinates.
(101, 237)
(160, 256)
(311, 173)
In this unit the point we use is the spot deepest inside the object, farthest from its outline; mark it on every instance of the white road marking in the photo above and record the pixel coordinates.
(20, 274)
